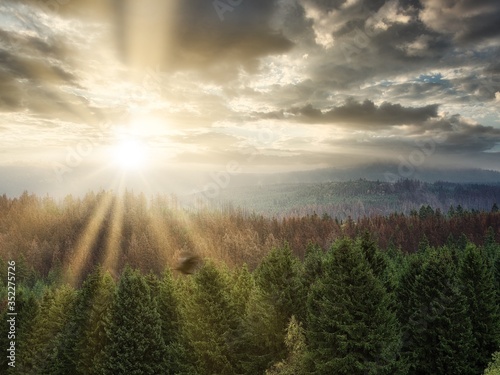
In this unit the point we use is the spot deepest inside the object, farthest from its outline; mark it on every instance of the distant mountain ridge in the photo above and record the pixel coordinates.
(386, 172)
(357, 198)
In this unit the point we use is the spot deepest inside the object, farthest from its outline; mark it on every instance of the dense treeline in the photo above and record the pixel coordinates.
(360, 198)
(54, 240)
(353, 309)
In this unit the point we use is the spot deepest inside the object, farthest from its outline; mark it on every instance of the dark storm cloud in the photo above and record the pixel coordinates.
(467, 138)
(369, 113)
(493, 68)
(476, 87)
(447, 141)
(453, 135)
(361, 115)
(465, 20)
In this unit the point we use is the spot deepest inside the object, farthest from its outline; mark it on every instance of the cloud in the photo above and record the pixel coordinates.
(196, 35)
(361, 115)
(179, 35)
(464, 20)
(35, 65)
(462, 136)
(451, 135)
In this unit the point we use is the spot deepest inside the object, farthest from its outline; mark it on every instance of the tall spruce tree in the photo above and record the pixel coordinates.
(213, 324)
(66, 357)
(94, 338)
(27, 309)
(262, 334)
(313, 265)
(437, 330)
(373, 255)
(295, 342)
(351, 327)
(478, 285)
(47, 327)
(172, 328)
(279, 275)
(135, 345)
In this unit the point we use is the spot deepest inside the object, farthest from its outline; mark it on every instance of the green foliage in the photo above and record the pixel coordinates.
(262, 332)
(172, 327)
(67, 356)
(372, 254)
(295, 342)
(313, 264)
(351, 327)
(494, 366)
(424, 244)
(437, 330)
(135, 344)
(27, 307)
(42, 342)
(279, 276)
(213, 325)
(478, 285)
(94, 337)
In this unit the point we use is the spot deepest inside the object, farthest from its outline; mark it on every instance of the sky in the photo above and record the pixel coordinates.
(95, 90)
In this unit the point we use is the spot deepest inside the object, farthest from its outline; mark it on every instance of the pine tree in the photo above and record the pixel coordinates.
(373, 255)
(461, 243)
(262, 334)
(94, 338)
(279, 275)
(213, 325)
(490, 245)
(478, 285)
(437, 330)
(66, 357)
(47, 327)
(424, 244)
(313, 265)
(172, 327)
(27, 309)
(135, 345)
(295, 362)
(351, 326)
(406, 294)
(396, 262)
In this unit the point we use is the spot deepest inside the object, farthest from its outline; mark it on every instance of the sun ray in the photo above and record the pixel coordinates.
(87, 240)
(162, 235)
(113, 246)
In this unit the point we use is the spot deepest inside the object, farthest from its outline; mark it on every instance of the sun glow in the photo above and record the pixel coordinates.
(130, 154)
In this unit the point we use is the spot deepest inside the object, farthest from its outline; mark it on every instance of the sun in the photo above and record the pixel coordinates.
(130, 154)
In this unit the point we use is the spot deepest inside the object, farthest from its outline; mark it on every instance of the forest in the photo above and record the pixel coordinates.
(98, 289)
(358, 198)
